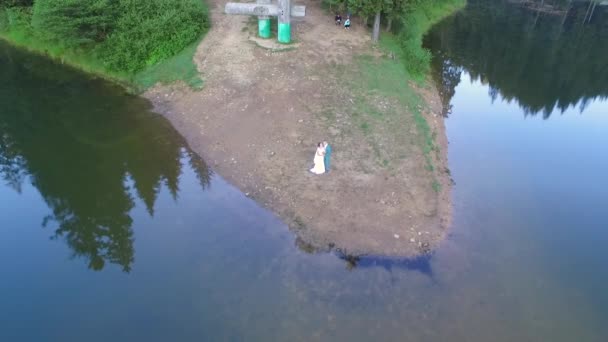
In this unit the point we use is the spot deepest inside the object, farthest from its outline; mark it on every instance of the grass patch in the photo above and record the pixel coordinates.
(328, 114)
(81, 60)
(436, 186)
(180, 67)
(415, 25)
(386, 107)
(299, 223)
(365, 128)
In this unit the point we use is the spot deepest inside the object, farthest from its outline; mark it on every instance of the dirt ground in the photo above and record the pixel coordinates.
(261, 112)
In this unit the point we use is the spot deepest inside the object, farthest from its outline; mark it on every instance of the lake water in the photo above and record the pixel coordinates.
(112, 229)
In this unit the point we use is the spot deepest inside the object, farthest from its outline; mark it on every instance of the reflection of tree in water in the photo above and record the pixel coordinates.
(542, 61)
(82, 144)
(447, 77)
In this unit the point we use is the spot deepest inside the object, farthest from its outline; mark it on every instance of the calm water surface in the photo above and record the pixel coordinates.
(112, 229)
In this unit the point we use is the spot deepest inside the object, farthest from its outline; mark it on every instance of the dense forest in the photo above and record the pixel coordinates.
(543, 61)
(88, 173)
(123, 36)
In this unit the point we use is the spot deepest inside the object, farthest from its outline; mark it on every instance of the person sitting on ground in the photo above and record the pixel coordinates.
(338, 19)
(347, 23)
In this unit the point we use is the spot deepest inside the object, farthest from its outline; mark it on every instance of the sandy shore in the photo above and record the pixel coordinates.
(262, 110)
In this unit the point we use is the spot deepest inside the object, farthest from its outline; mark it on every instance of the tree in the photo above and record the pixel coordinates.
(16, 3)
(74, 23)
(391, 9)
(395, 11)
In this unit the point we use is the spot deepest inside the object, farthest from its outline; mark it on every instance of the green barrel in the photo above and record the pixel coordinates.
(264, 28)
(284, 33)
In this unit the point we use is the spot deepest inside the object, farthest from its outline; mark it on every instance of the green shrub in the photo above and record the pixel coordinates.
(3, 20)
(150, 31)
(74, 23)
(17, 18)
(16, 3)
(416, 58)
(135, 42)
(123, 36)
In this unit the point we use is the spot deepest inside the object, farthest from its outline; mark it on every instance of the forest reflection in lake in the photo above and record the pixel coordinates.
(541, 61)
(88, 149)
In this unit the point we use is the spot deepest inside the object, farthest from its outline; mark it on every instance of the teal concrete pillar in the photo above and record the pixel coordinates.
(284, 31)
(263, 21)
(264, 27)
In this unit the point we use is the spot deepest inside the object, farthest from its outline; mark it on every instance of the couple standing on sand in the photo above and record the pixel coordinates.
(321, 159)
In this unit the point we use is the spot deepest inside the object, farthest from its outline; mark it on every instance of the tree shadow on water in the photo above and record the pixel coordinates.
(420, 263)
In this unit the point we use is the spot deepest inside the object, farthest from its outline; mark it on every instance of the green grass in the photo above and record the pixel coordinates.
(416, 24)
(436, 186)
(378, 80)
(365, 128)
(81, 60)
(180, 67)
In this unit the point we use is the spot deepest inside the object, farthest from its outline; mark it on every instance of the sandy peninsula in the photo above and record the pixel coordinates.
(264, 107)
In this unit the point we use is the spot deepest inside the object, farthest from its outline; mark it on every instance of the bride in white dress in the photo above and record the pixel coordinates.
(319, 167)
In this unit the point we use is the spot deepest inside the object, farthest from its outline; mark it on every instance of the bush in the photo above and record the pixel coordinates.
(150, 31)
(15, 18)
(74, 23)
(16, 3)
(416, 58)
(3, 20)
(122, 36)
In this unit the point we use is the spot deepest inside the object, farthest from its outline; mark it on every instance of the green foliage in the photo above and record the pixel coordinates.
(178, 67)
(416, 58)
(436, 186)
(420, 17)
(153, 30)
(4, 25)
(17, 18)
(16, 3)
(116, 38)
(74, 23)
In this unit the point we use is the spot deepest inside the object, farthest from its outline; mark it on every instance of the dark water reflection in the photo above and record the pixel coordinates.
(420, 263)
(540, 61)
(88, 149)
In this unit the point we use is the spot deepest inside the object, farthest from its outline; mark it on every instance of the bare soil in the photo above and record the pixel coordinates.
(264, 107)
